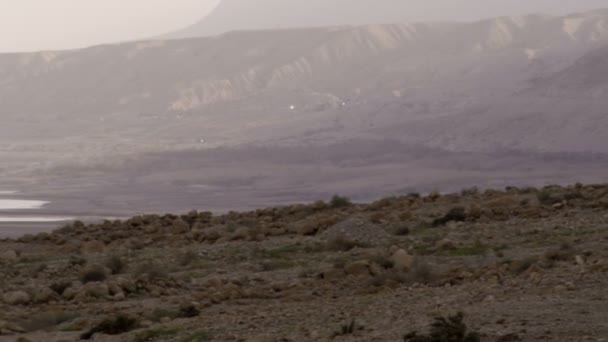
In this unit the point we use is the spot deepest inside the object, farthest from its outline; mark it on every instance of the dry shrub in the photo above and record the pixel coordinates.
(93, 273)
(116, 264)
(112, 326)
(450, 329)
(344, 244)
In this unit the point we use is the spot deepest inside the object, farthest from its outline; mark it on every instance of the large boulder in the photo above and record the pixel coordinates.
(403, 260)
(16, 298)
(44, 295)
(96, 290)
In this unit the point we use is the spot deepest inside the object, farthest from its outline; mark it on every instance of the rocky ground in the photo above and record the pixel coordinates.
(521, 264)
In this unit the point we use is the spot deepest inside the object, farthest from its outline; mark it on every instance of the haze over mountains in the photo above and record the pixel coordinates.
(294, 114)
(238, 15)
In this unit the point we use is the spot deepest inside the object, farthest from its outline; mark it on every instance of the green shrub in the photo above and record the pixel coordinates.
(470, 191)
(545, 197)
(340, 202)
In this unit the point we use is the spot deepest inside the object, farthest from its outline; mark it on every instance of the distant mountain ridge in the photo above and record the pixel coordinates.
(281, 115)
(237, 15)
(245, 15)
(487, 81)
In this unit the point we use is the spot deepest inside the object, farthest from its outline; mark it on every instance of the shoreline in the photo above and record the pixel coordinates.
(18, 229)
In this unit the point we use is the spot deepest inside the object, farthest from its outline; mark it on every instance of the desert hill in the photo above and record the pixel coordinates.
(517, 262)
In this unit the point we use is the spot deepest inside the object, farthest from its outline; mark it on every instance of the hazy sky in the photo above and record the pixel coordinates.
(27, 25)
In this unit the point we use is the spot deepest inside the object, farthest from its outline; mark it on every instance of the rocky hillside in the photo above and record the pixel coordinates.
(519, 263)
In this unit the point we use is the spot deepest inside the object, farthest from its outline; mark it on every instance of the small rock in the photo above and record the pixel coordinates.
(570, 286)
(16, 298)
(580, 260)
(403, 260)
(215, 282)
(358, 268)
(444, 245)
(44, 295)
(489, 299)
(126, 284)
(71, 291)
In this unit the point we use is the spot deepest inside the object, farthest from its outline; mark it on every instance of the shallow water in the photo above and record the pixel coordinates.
(19, 205)
(11, 204)
(33, 219)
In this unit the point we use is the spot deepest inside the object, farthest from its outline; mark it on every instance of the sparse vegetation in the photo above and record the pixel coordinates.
(290, 263)
(48, 320)
(450, 329)
(347, 329)
(116, 264)
(154, 271)
(338, 201)
(198, 336)
(154, 334)
(94, 273)
(112, 326)
(187, 258)
(401, 230)
(476, 249)
(341, 243)
(457, 214)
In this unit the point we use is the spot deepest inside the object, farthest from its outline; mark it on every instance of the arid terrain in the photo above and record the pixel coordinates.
(256, 118)
(522, 264)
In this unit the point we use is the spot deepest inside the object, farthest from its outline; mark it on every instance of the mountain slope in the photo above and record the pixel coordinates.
(521, 88)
